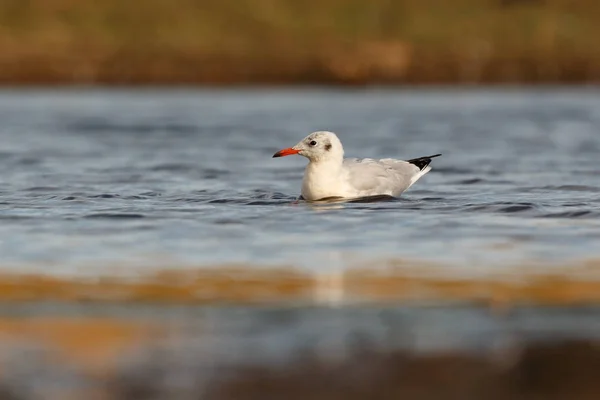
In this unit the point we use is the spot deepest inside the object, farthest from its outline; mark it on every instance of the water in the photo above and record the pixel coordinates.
(166, 178)
(102, 182)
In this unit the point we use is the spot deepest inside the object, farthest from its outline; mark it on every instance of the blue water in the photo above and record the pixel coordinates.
(93, 179)
(102, 182)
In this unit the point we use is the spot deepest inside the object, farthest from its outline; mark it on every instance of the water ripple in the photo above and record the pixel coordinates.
(114, 216)
(502, 207)
(572, 214)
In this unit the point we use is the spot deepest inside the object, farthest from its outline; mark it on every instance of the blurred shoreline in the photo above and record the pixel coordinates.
(282, 42)
(411, 283)
(105, 357)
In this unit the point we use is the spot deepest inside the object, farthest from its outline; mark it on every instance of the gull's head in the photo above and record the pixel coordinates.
(318, 146)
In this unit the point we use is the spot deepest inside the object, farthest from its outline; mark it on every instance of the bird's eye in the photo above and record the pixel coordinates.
(313, 143)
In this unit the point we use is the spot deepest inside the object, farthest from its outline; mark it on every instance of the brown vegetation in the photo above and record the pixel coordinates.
(287, 41)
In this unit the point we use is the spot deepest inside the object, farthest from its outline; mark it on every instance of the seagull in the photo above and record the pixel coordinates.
(330, 175)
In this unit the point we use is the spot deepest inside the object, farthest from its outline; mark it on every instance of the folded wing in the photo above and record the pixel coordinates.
(387, 176)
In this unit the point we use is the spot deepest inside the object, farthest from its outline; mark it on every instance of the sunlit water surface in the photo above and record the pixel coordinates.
(171, 178)
(105, 182)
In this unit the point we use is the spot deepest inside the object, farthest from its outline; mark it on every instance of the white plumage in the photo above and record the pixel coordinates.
(328, 174)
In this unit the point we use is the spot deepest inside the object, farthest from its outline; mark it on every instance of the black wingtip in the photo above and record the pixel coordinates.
(422, 162)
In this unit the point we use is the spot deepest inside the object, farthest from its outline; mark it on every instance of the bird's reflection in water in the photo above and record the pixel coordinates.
(336, 203)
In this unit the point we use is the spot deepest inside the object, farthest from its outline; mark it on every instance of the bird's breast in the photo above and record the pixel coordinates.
(320, 183)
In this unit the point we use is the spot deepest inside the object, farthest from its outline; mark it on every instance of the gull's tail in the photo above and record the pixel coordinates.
(423, 164)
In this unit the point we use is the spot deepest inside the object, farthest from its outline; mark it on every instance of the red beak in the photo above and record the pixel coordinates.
(286, 152)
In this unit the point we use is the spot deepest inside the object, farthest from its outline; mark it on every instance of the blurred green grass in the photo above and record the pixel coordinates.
(290, 41)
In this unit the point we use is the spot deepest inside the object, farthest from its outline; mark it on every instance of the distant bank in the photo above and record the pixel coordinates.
(290, 42)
